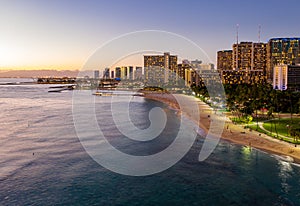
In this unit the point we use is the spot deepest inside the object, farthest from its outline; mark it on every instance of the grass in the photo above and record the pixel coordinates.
(281, 125)
(254, 127)
(242, 120)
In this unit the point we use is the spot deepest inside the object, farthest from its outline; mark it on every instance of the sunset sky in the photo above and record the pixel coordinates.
(62, 34)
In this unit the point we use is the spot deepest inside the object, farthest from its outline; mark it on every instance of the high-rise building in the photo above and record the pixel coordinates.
(112, 74)
(196, 73)
(130, 72)
(244, 64)
(123, 72)
(181, 69)
(191, 76)
(281, 51)
(118, 72)
(160, 69)
(106, 73)
(286, 77)
(224, 60)
(96, 74)
(249, 56)
(243, 77)
(138, 74)
(259, 56)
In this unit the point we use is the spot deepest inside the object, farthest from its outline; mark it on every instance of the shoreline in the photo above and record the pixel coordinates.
(231, 132)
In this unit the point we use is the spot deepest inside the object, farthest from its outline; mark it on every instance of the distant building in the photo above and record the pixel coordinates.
(130, 72)
(160, 69)
(281, 51)
(112, 74)
(96, 74)
(118, 72)
(106, 73)
(181, 69)
(249, 56)
(191, 76)
(286, 77)
(196, 73)
(259, 57)
(224, 60)
(123, 72)
(244, 64)
(138, 74)
(243, 77)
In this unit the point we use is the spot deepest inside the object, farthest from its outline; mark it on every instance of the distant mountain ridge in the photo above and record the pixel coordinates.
(37, 73)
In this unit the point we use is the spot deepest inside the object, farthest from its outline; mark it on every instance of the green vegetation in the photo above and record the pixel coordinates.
(248, 99)
(242, 120)
(285, 127)
(261, 102)
(274, 135)
(258, 129)
(154, 88)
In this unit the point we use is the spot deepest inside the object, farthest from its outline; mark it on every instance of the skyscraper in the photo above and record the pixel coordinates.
(160, 69)
(224, 60)
(138, 74)
(96, 74)
(281, 51)
(106, 73)
(286, 77)
(249, 56)
(130, 72)
(245, 63)
(118, 72)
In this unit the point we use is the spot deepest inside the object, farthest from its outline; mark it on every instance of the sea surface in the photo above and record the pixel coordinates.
(42, 161)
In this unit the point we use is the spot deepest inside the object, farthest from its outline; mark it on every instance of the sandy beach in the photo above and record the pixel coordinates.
(231, 132)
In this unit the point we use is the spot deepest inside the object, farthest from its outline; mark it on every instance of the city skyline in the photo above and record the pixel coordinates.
(62, 35)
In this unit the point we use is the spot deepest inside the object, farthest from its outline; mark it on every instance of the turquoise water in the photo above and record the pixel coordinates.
(43, 163)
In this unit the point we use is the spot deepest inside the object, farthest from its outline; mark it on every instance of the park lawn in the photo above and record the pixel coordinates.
(254, 127)
(286, 139)
(281, 125)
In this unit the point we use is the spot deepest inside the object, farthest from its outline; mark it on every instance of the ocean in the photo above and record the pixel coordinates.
(44, 163)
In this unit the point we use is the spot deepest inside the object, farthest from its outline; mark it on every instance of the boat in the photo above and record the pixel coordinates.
(59, 90)
(98, 93)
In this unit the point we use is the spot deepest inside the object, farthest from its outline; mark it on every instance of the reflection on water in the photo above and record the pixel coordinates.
(42, 162)
(285, 173)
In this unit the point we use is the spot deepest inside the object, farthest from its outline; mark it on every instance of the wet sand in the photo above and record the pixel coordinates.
(231, 132)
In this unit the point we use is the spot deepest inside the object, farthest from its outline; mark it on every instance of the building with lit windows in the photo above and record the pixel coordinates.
(286, 77)
(191, 77)
(249, 56)
(224, 60)
(243, 77)
(196, 73)
(181, 69)
(259, 57)
(281, 51)
(160, 69)
(124, 73)
(244, 64)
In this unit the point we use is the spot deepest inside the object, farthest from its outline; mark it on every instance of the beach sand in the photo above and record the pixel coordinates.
(231, 132)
